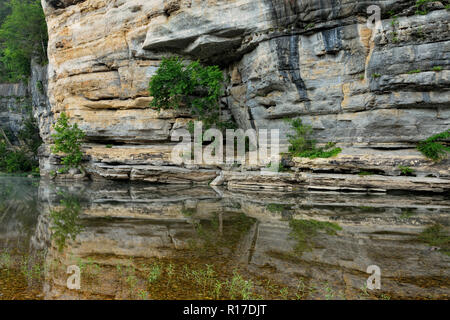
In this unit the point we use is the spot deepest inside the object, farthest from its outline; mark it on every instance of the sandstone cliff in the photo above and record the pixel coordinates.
(367, 90)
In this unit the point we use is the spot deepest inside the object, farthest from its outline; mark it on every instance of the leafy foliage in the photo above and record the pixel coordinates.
(192, 85)
(23, 35)
(302, 145)
(433, 148)
(407, 171)
(68, 139)
(14, 161)
(5, 10)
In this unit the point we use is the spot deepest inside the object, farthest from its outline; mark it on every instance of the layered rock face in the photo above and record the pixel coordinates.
(318, 60)
(19, 101)
(14, 104)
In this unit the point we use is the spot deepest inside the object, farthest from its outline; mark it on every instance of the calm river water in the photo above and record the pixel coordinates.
(144, 241)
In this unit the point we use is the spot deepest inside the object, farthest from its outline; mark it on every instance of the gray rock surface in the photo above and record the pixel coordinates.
(14, 108)
(19, 101)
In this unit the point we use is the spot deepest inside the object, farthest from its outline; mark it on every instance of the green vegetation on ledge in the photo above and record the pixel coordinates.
(68, 140)
(406, 171)
(178, 84)
(421, 6)
(433, 147)
(302, 145)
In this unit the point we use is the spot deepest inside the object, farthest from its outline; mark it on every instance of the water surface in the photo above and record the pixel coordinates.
(144, 241)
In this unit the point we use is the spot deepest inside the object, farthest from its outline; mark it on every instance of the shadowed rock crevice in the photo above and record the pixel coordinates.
(61, 4)
(289, 63)
(285, 14)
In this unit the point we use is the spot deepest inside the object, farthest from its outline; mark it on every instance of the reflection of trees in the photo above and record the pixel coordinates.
(18, 205)
(65, 221)
(303, 231)
(219, 232)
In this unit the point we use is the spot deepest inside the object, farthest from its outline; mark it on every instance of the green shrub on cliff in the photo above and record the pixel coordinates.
(67, 140)
(178, 84)
(23, 35)
(434, 147)
(302, 145)
(421, 6)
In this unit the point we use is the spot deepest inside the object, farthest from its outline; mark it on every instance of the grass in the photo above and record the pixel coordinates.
(327, 152)
(189, 278)
(414, 71)
(154, 273)
(365, 173)
(437, 68)
(406, 171)
(5, 260)
(239, 288)
(394, 18)
(376, 75)
(29, 268)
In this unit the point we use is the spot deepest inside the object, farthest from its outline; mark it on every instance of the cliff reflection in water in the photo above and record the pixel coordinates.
(144, 241)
